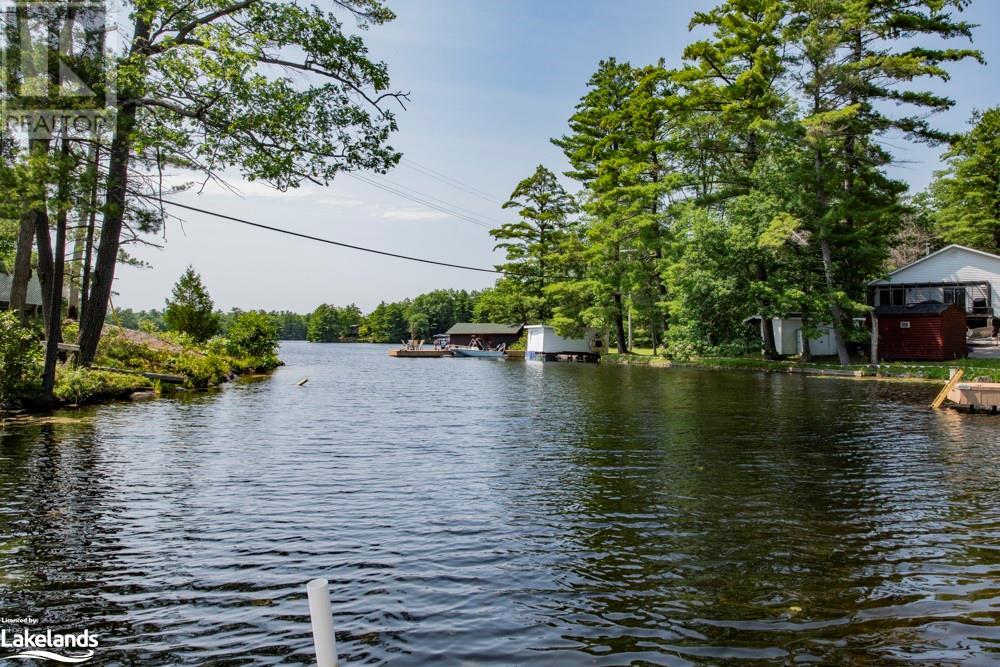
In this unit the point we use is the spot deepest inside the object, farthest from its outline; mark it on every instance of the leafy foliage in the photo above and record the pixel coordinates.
(328, 323)
(84, 385)
(966, 195)
(252, 337)
(190, 309)
(20, 359)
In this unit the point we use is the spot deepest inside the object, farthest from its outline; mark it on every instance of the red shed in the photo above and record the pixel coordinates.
(928, 331)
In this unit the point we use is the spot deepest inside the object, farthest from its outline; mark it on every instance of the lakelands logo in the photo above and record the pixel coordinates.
(61, 647)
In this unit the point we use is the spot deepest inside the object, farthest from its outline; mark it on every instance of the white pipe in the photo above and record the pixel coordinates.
(322, 623)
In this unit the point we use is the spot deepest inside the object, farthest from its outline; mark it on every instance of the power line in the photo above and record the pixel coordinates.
(448, 180)
(423, 202)
(320, 239)
(443, 202)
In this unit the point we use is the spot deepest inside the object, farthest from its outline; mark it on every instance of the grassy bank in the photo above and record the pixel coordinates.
(130, 361)
(927, 370)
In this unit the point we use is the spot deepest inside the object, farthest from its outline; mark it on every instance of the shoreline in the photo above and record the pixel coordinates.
(929, 372)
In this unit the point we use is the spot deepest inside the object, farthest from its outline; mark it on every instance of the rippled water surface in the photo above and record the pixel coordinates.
(481, 512)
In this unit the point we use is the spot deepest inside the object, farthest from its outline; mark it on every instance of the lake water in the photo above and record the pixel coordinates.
(474, 512)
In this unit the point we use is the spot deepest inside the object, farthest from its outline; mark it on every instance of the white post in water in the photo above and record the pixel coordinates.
(322, 623)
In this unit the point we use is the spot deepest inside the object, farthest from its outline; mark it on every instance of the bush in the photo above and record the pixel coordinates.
(253, 340)
(21, 359)
(201, 370)
(83, 385)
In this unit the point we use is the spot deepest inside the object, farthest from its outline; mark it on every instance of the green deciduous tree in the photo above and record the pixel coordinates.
(253, 337)
(329, 324)
(387, 323)
(280, 91)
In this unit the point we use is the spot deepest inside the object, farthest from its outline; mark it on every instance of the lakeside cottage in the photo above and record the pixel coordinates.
(34, 296)
(489, 334)
(966, 277)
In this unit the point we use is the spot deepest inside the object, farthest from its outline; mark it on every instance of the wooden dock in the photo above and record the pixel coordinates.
(420, 354)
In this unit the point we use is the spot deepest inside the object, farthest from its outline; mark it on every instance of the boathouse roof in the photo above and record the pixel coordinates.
(484, 329)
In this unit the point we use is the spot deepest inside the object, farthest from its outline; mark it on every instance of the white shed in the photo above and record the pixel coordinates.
(956, 274)
(788, 338)
(544, 342)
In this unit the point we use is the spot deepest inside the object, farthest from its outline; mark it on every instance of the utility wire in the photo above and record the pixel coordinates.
(322, 240)
(471, 213)
(423, 202)
(448, 180)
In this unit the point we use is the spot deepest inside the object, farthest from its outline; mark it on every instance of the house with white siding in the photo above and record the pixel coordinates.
(33, 297)
(966, 277)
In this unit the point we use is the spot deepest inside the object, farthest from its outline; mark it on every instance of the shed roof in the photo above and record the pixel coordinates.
(485, 329)
(924, 308)
(34, 289)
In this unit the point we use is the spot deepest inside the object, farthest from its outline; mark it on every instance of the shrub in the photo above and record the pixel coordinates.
(83, 385)
(21, 359)
(253, 339)
(201, 370)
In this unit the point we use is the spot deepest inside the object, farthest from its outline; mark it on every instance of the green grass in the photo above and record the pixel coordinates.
(926, 369)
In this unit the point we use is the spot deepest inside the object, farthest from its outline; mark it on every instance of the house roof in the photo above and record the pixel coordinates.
(34, 289)
(485, 329)
(924, 308)
(953, 246)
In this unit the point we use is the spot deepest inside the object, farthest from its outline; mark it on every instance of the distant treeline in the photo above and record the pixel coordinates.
(390, 322)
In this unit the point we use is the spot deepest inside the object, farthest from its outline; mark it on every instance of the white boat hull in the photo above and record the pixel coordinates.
(482, 354)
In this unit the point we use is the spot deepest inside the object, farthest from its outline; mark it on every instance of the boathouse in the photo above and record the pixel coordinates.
(965, 277)
(544, 344)
(488, 334)
(34, 296)
(929, 331)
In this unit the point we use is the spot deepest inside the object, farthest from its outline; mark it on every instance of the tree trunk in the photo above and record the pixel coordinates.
(620, 324)
(806, 348)
(53, 329)
(767, 336)
(836, 313)
(766, 321)
(43, 240)
(88, 250)
(22, 264)
(74, 266)
(92, 319)
(99, 289)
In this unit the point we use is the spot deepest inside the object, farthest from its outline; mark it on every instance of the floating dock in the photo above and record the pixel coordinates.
(975, 397)
(420, 354)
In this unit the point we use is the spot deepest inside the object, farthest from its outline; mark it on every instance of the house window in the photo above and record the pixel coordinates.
(892, 296)
(904, 325)
(955, 295)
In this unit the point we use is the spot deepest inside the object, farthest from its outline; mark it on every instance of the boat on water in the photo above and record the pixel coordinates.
(476, 352)
(477, 349)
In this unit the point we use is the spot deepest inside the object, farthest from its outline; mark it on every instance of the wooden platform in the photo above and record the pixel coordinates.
(420, 354)
(982, 395)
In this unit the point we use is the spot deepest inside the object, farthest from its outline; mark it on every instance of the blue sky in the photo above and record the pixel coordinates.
(491, 82)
